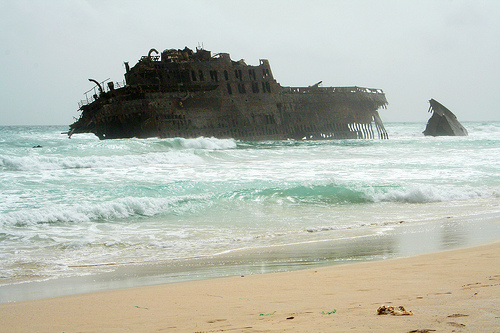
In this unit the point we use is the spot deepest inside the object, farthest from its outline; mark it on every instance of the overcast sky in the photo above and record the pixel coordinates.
(448, 50)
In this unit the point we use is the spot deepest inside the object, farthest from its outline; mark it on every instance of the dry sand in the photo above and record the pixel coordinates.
(450, 291)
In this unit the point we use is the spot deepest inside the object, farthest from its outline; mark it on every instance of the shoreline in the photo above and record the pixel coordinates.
(447, 290)
(402, 240)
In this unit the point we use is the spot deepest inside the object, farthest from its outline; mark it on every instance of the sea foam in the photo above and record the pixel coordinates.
(90, 202)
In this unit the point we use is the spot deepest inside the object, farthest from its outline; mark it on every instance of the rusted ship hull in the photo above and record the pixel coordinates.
(242, 105)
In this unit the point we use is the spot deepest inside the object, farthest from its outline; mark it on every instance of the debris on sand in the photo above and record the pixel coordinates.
(395, 311)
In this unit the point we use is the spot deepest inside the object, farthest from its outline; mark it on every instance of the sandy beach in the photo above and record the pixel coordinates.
(449, 291)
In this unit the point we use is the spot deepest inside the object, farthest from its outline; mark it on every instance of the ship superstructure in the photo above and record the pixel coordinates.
(186, 93)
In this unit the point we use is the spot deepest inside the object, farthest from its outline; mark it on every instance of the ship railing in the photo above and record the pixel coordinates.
(302, 90)
(92, 94)
(153, 58)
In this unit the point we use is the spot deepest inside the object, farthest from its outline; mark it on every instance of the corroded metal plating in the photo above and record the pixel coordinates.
(443, 122)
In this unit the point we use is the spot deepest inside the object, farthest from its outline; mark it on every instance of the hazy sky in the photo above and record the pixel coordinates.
(413, 50)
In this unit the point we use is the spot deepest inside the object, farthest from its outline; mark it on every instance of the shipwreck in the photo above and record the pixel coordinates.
(186, 93)
(443, 122)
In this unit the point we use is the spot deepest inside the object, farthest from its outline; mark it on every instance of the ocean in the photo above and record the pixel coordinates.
(147, 211)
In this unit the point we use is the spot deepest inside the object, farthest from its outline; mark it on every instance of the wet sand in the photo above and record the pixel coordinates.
(455, 290)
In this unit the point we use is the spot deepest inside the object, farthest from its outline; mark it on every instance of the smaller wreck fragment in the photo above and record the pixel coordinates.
(443, 122)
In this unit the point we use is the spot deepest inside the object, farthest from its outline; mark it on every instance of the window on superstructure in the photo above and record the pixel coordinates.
(214, 76)
(255, 87)
(251, 74)
(240, 75)
(229, 90)
(226, 75)
(200, 74)
(193, 75)
(241, 88)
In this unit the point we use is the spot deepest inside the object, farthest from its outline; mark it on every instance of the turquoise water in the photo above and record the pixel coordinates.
(80, 202)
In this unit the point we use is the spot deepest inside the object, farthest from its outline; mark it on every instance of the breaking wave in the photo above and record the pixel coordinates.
(33, 163)
(122, 154)
(356, 194)
(325, 195)
(122, 208)
(428, 193)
